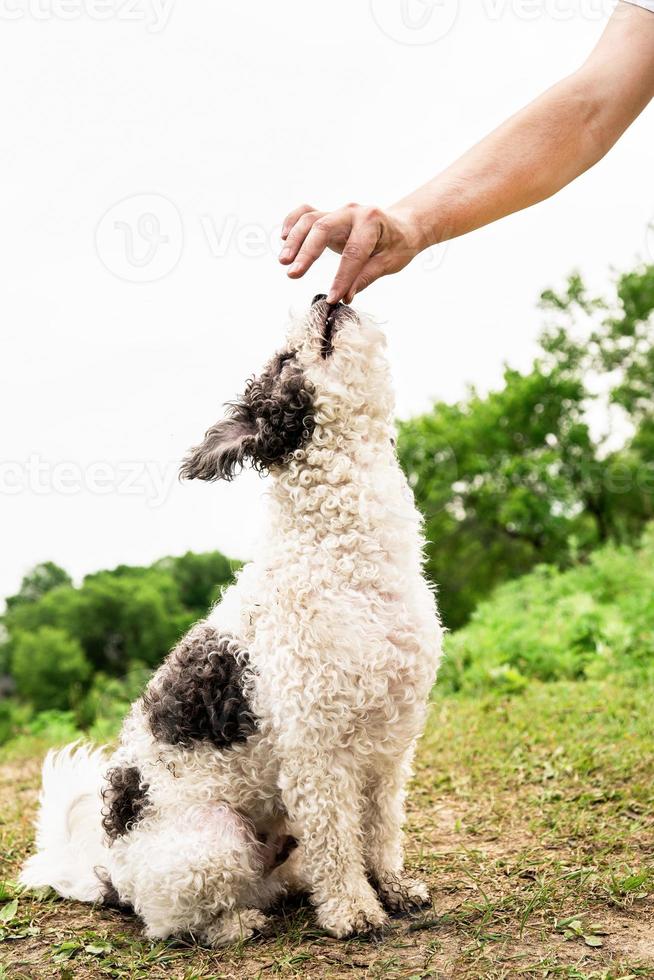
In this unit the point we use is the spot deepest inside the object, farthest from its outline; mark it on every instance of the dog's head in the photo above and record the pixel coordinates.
(329, 387)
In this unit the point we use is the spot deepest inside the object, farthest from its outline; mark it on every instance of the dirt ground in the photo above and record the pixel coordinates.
(532, 821)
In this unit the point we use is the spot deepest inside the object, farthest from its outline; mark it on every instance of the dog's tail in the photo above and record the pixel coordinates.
(69, 834)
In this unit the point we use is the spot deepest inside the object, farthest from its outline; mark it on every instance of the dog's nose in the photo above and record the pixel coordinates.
(318, 297)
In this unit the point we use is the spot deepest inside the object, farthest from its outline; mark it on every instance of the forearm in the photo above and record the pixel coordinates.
(549, 143)
(529, 158)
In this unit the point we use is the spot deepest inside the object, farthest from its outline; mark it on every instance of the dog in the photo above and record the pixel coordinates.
(271, 749)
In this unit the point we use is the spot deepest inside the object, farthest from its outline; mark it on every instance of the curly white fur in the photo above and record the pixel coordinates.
(344, 640)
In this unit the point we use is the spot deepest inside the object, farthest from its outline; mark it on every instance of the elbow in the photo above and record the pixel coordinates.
(596, 113)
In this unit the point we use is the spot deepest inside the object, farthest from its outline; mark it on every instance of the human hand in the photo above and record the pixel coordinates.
(372, 243)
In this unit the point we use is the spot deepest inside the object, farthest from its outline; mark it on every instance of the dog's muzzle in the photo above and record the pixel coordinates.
(331, 312)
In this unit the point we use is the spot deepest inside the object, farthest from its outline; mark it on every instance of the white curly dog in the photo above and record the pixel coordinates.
(272, 748)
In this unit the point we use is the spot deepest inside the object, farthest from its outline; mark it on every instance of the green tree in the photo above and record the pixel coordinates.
(200, 577)
(613, 340)
(49, 668)
(133, 616)
(498, 479)
(117, 624)
(58, 608)
(515, 478)
(40, 580)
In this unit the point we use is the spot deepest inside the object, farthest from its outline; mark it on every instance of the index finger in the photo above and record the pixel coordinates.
(359, 247)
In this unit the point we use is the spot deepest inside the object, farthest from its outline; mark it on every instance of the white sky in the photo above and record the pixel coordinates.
(234, 112)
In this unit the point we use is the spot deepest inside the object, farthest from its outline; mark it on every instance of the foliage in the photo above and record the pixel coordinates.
(109, 699)
(516, 478)
(593, 620)
(200, 578)
(49, 667)
(89, 649)
(498, 479)
(37, 582)
(128, 616)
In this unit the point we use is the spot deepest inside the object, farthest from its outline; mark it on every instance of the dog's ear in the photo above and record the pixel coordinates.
(272, 419)
(224, 449)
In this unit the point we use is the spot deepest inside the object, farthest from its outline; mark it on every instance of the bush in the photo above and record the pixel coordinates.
(55, 726)
(109, 700)
(14, 718)
(590, 621)
(49, 668)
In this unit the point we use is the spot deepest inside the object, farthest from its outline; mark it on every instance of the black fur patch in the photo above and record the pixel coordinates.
(327, 345)
(288, 846)
(272, 419)
(197, 694)
(125, 798)
(110, 897)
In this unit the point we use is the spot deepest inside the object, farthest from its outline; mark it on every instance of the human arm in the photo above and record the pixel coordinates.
(526, 160)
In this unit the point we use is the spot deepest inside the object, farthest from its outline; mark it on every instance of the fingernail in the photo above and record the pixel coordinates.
(295, 267)
(285, 253)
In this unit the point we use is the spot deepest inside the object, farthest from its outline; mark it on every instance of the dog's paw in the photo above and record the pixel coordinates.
(353, 915)
(236, 927)
(402, 894)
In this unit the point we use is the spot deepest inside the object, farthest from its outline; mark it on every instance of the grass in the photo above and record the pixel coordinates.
(532, 818)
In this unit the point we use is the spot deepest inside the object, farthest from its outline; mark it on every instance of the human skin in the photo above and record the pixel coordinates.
(529, 158)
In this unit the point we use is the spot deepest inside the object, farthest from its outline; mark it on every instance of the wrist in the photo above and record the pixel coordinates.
(412, 229)
(429, 215)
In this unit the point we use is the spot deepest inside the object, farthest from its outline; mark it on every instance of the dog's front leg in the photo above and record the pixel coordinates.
(323, 799)
(384, 846)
